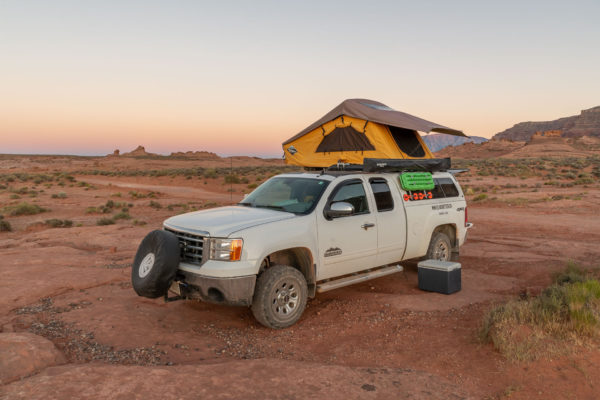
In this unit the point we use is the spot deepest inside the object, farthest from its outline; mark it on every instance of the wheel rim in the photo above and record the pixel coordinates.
(441, 251)
(146, 265)
(284, 299)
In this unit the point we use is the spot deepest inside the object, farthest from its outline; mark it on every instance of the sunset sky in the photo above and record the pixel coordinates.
(88, 77)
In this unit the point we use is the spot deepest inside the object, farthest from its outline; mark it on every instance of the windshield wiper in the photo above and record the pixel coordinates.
(272, 207)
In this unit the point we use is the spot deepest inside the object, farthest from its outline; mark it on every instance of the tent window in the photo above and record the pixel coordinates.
(345, 139)
(407, 141)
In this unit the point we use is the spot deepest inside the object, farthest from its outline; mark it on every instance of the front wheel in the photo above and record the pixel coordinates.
(280, 297)
(440, 248)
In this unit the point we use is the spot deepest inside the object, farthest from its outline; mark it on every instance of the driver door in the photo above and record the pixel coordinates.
(347, 244)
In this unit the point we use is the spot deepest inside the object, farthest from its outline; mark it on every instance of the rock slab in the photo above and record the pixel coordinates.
(24, 354)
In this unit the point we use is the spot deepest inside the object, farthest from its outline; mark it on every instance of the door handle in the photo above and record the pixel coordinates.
(367, 226)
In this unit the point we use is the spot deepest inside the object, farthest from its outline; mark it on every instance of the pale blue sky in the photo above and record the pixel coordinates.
(87, 77)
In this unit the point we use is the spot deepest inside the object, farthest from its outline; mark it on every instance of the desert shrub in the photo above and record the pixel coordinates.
(4, 225)
(585, 180)
(210, 173)
(232, 178)
(480, 197)
(138, 222)
(15, 196)
(118, 194)
(122, 215)
(91, 210)
(60, 195)
(105, 221)
(26, 209)
(155, 204)
(252, 186)
(530, 328)
(59, 223)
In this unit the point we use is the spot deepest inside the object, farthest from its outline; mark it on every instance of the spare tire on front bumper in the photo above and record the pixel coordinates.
(155, 264)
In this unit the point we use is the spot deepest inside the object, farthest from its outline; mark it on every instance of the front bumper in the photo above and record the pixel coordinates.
(237, 291)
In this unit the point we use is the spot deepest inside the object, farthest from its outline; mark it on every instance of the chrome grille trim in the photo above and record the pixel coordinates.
(191, 246)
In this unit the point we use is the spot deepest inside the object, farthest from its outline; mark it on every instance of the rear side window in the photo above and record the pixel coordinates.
(444, 188)
(383, 196)
(447, 186)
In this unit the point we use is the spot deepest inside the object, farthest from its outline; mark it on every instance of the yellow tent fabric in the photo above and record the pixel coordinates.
(303, 150)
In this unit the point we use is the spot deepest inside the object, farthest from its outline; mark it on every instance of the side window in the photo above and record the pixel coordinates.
(437, 192)
(448, 187)
(383, 196)
(353, 192)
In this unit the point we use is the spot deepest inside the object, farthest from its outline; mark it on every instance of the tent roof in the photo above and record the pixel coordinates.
(375, 111)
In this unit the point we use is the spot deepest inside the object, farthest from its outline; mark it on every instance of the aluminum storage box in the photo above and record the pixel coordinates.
(439, 276)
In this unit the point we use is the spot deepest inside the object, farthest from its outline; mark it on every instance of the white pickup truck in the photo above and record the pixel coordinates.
(297, 235)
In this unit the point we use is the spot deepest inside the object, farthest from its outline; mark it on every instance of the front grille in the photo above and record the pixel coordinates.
(190, 245)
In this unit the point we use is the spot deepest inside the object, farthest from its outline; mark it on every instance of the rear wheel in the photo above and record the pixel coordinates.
(440, 248)
(280, 297)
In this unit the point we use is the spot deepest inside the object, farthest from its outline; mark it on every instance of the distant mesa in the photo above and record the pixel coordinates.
(437, 142)
(585, 124)
(138, 152)
(197, 155)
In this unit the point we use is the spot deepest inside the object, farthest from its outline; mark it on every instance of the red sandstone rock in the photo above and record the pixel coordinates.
(23, 354)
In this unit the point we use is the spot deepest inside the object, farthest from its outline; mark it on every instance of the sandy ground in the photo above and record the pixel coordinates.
(94, 338)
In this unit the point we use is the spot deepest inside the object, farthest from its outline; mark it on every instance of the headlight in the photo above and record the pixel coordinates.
(226, 249)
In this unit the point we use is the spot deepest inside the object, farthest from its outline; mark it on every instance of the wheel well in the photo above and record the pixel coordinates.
(299, 258)
(450, 231)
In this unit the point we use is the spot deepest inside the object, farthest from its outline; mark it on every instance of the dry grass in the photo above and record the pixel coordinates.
(566, 313)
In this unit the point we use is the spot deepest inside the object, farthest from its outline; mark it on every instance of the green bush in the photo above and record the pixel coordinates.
(4, 225)
(480, 197)
(26, 209)
(155, 204)
(61, 195)
(59, 223)
(105, 221)
(568, 311)
(122, 215)
(231, 178)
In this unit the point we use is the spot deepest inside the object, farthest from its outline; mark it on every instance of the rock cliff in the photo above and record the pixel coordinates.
(585, 124)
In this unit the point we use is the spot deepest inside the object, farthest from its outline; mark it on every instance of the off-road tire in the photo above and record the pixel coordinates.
(155, 264)
(280, 297)
(440, 248)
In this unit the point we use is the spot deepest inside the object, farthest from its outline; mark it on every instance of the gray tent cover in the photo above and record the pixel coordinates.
(375, 111)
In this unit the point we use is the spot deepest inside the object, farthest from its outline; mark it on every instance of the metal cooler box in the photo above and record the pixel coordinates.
(439, 276)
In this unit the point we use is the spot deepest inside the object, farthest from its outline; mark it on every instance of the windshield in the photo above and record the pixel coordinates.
(290, 194)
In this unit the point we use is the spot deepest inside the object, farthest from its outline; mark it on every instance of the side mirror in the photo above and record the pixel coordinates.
(339, 209)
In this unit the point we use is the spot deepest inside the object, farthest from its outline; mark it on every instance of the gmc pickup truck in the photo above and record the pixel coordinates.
(300, 234)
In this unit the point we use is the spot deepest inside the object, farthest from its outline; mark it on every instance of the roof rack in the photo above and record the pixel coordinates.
(391, 165)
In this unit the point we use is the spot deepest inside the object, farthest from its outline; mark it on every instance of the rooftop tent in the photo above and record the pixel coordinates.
(358, 129)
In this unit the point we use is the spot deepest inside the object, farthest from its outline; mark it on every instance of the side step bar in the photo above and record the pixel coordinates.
(359, 277)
